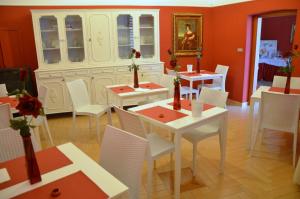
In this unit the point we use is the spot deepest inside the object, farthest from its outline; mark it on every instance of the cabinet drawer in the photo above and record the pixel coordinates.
(77, 73)
(50, 75)
(103, 70)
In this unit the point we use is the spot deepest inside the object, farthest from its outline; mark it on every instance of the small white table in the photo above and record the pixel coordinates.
(184, 124)
(202, 76)
(81, 162)
(138, 92)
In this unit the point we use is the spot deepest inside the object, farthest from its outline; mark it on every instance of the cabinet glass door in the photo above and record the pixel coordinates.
(75, 42)
(125, 35)
(147, 36)
(50, 39)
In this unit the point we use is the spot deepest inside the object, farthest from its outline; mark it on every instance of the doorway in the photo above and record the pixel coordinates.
(274, 34)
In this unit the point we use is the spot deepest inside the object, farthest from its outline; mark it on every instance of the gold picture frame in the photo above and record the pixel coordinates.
(187, 33)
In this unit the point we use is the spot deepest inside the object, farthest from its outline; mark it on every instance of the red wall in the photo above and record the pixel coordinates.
(19, 19)
(230, 25)
(278, 28)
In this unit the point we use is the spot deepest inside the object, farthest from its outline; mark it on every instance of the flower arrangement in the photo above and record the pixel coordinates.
(27, 106)
(134, 55)
(289, 59)
(175, 66)
(290, 68)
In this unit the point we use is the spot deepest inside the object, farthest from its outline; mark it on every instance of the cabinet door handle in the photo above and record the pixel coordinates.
(93, 77)
(90, 39)
(63, 80)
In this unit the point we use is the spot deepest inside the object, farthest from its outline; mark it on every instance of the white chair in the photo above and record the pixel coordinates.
(5, 116)
(42, 119)
(295, 83)
(278, 112)
(184, 90)
(3, 90)
(123, 154)
(279, 81)
(82, 104)
(11, 144)
(158, 146)
(218, 84)
(216, 98)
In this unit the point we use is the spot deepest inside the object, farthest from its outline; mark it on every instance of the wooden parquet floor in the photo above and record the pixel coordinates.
(266, 175)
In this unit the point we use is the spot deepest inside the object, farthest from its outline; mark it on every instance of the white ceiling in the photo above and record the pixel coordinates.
(192, 3)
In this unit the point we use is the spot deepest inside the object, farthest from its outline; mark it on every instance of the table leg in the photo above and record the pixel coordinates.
(223, 139)
(121, 103)
(251, 123)
(177, 165)
(191, 90)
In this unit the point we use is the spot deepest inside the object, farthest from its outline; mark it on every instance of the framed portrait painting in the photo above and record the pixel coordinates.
(187, 34)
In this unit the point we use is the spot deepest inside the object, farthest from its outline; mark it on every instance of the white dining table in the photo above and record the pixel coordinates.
(137, 92)
(81, 162)
(182, 125)
(201, 77)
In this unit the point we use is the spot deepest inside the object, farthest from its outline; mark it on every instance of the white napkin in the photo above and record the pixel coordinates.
(4, 176)
(197, 108)
(141, 89)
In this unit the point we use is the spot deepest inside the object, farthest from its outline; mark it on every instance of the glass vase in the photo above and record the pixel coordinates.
(198, 65)
(33, 170)
(176, 102)
(135, 78)
(287, 84)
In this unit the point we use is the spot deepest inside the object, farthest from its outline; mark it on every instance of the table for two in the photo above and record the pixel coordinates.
(64, 167)
(161, 114)
(203, 75)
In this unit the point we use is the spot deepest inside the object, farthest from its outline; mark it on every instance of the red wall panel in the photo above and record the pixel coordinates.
(278, 28)
(230, 24)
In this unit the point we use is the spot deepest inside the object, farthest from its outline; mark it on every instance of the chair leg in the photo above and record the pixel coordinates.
(295, 147)
(37, 136)
(48, 130)
(222, 160)
(194, 158)
(149, 178)
(254, 138)
(97, 129)
(74, 123)
(109, 118)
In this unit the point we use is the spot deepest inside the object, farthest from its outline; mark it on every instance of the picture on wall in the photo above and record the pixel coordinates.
(187, 33)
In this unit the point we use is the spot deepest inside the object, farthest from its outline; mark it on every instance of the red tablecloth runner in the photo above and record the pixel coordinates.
(281, 90)
(186, 104)
(122, 89)
(150, 86)
(48, 160)
(12, 101)
(162, 114)
(76, 185)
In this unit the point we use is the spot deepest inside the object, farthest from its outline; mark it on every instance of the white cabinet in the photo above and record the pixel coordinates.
(93, 45)
(138, 30)
(59, 38)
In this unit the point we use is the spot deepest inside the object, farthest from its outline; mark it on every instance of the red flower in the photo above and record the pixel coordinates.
(173, 63)
(23, 74)
(137, 54)
(29, 105)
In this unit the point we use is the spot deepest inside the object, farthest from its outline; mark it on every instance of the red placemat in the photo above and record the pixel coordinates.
(206, 72)
(186, 104)
(191, 74)
(76, 185)
(12, 101)
(48, 160)
(122, 89)
(150, 86)
(162, 114)
(281, 90)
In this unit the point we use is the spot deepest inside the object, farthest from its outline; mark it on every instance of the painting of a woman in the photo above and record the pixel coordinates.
(187, 33)
(188, 42)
